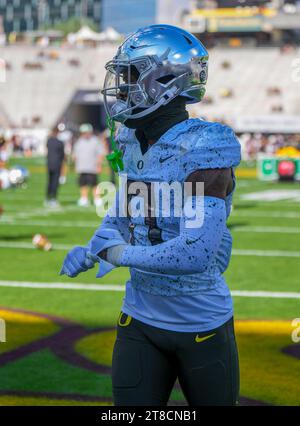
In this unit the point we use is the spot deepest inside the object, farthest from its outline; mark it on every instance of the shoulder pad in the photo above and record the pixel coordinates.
(211, 146)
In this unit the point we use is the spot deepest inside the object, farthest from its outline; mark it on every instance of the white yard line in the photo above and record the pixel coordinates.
(63, 286)
(267, 229)
(235, 252)
(28, 208)
(279, 214)
(13, 215)
(119, 287)
(29, 246)
(49, 223)
(265, 253)
(268, 294)
(7, 221)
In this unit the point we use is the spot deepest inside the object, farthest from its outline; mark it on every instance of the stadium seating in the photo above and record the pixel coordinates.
(251, 73)
(45, 90)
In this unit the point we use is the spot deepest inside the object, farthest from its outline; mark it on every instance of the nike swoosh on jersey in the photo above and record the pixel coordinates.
(162, 160)
(201, 339)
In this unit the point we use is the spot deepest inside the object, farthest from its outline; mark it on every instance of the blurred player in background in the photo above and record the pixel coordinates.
(177, 316)
(55, 161)
(88, 155)
(66, 136)
(3, 152)
(3, 159)
(4, 181)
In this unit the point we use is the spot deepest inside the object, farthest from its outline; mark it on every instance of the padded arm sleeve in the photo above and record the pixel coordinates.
(191, 252)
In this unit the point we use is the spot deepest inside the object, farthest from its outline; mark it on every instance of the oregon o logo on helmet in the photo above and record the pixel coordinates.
(202, 76)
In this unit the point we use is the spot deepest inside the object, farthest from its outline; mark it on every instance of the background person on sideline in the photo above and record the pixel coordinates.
(3, 152)
(88, 157)
(55, 159)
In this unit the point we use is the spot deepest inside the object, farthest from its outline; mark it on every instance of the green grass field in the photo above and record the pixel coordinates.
(59, 340)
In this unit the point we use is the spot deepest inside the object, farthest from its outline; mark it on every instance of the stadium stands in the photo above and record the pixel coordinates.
(37, 95)
(45, 90)
(4, 120)
(251, 74)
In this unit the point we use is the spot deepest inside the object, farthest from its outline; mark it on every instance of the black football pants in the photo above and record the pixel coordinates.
(147, 361)
(53, 183)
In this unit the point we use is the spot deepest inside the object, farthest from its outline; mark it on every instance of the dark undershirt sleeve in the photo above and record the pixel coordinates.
(217, 182)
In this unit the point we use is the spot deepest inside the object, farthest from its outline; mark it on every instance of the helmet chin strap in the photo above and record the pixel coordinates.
(165, 99)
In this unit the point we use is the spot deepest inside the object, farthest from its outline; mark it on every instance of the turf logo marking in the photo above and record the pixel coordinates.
(296, 332)
(69, 346)
(2, 331)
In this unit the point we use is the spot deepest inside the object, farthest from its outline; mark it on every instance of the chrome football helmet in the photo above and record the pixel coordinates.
(152, 67)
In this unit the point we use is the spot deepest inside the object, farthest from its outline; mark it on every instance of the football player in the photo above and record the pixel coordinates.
(176, 321)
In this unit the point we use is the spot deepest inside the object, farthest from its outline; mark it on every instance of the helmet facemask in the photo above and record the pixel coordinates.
(135, 88)
(123, 92)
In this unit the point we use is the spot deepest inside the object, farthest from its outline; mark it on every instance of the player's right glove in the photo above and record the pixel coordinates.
(79, 259)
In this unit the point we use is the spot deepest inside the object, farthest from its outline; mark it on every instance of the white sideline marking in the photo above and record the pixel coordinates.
(235, 252)
(278, 213)
(269, 229)
(23, 219)
(268, 294)
(266, 253)
(61, 224)
(273, 195)
(30, 246)
(88, 224)
(119, 287)
(45, 212)
(63, 286)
